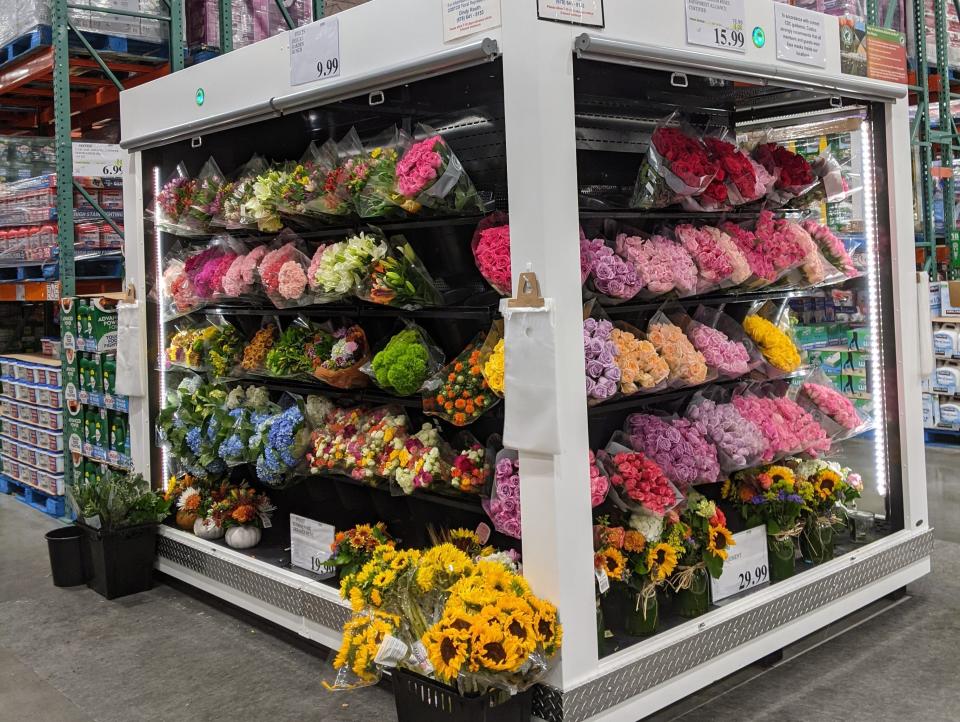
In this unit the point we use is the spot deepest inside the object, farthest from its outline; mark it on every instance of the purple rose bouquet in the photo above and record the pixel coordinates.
(504, 508)
(600, 354)
(739, 442)
(612, 276)
(729, 357)
(683, 453)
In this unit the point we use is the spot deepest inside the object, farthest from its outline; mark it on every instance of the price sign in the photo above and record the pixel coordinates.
(716, 24)
(747, 565)
(97, 160)
(315, 52)
(800, 35)
(310, 544)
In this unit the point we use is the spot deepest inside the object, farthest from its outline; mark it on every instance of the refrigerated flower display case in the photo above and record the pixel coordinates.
(635, 303)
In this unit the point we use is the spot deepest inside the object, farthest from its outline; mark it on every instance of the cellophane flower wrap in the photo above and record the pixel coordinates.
(459, 393)
(638, 483)
(344, 160)
(264, 205)
(174, 201)
(205, 199)
(815, 268)
(290, 356)
(283, 273)
(373, 177)
(662, 265)
(493, 358)
(254, 358)
(793, 173)
(780, 248)
(746, 180)
(343, 368)
(831, 186)
(688, 367)
(610, 275)
(236, 193)
(751, 248)
(642, 370)
(405, 363)
(732, 352)
(600, 357)
(503, 507)
(836, 413)
(787, 428)
(177, 293)
(283, 440)
(677, 446)
(491, 252)
(357, 442)
(182, 426)
(739, 442)
(832, 248)
(241, 279)
(472, 467)
(399, 279)
(430, 174)
(422, 461)
(719, 262)
(774, 342)
(339, 269)
(208, 269)
(300, 182)
(676, 166)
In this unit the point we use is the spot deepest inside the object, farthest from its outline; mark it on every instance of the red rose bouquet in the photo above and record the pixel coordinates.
(744, 179)
(792, 171)
(676, 166)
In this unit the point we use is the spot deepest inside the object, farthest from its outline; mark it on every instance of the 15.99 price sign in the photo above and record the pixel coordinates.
(315, 52)
(747, 564)
(716, 24)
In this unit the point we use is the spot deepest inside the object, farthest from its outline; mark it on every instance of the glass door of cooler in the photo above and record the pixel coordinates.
(741, 262)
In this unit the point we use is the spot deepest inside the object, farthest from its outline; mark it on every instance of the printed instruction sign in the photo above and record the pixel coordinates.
(716, 24)
(310, 544)
(97, 160)
(315, 52)
(747, 564)
(886, 55)
(577, 12)
(800, 35)
(466, 17)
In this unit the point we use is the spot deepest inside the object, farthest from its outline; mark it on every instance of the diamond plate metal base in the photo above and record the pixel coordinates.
(663, 665)
(289, 598)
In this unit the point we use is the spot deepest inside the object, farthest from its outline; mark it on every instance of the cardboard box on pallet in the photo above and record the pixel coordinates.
(252, 20)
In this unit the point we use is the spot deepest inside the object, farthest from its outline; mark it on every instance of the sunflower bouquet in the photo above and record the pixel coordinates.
(705, 544)
(353, 548)
(826, 487)
(470, 622)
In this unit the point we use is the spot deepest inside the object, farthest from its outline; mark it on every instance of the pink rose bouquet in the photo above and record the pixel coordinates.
(685, 456)
(491, 252)
(729, 357)
(179, 295)
(599, 483)
(781, 248)
(661, 264)
(815, 268)
(714, 265)
(640, 480)
(430, 174)
(831, 247)
(752, 249)
(612, 276)
(832, 403)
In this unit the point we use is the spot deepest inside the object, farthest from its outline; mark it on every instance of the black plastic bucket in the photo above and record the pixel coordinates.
(66, 556)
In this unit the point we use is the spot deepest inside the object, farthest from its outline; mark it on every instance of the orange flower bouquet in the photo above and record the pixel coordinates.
(459, 393)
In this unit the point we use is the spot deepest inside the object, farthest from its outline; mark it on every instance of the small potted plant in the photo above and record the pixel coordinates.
(205, 526)
(119, 515)
(243, 513)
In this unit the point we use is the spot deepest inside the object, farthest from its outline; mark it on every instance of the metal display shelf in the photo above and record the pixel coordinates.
(527, 136)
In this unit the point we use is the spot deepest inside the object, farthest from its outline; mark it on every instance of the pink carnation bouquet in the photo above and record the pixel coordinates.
(662, 265)
(283, 273)
(179, 296)
(429, 174)
(240, 279)
(491, 252)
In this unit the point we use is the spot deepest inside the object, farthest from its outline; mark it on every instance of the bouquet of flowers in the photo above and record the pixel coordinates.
(719, 262)
(599, 481)
(638, 481)
(248, 409)
(174, 201)
(243, 506)
(373, 177)
(493, 364)
(283, 273)
(339, 269)
(282, 442)
(241, 277)
(353, 548)
(430, 174)
(254, 358)
(768, 495)
(831, 409)
(641, 367)
(752, 249)
(610, 274)
(421, 462)
(746, 180)
(688, 367)
(399, 279)
(781, 247)
(236, 194)
(792, 171)
(263, 207)
(503, 507)
(357, 442)
(300, 183)
(775, 345)
(349, 353)
(491, 252)
(729, 356)
(602, 372)
(826, 488)
(459, 393)
(704, 546)
(676, 166)
(177, 294)
(832, 248)
(814, 267)
(470, 469)
(785, 425)
(678, 448)
(205, 198)
(662, 265)
(223, 349)
(406, 362)
(738, 441)
(289, 355)
(182, 426)
(186, 347)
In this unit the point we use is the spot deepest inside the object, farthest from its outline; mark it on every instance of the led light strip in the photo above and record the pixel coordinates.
(158, 249)
(873, 296)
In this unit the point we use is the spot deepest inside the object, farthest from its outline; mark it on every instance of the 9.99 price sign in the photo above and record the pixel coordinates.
(315, 52)
(747, 564)
(716, 24)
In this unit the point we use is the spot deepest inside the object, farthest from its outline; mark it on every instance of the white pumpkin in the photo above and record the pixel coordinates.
(243, 537)
(207, 529)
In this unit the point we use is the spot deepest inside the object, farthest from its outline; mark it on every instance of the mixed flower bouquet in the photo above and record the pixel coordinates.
(186, 346)
(705, 545)
(174, 201)
(459, 393)
(406, 362)
(678, 448)
(237, 193)
(676, 166)
(353, 548)
(223, 349)
(263, 206)
(398, 278)
(177, 294)
(343, 368)
(373, 177)
(422, 461)
(243, 506)
(767, 495)
(470, 470)
(204, 199)
(300, 183)
(429, 174)
(491, 252)
(355, 441)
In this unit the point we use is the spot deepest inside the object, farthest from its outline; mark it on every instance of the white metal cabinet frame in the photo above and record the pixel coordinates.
(388, 43)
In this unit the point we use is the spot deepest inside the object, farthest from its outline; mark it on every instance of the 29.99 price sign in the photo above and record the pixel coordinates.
(716, 24)
(315, 52)
(747, 564)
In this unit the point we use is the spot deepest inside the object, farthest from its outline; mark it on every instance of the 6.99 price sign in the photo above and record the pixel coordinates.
(716, 24)
(315, 52)
(747, 564)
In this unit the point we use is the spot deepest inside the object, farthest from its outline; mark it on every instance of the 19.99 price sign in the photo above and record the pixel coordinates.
(747, 564)
(716, 24)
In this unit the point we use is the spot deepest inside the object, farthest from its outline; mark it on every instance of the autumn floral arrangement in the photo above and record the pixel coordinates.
(467, 619)
(353, 548)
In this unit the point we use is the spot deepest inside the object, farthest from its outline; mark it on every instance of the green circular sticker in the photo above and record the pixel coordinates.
(759, 37)
(201, 96)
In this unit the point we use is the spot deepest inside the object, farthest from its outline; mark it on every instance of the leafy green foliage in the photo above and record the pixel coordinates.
(117, 500)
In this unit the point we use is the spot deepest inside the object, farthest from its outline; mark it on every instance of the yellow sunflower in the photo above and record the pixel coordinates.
(549, 633)
(518, 621)
(661, 561)
(781, 474)
(464, 539)
(441, 566)
(825, 483)
(472, 592)
(726, 489)
(718, 539)
(384, 579)
(612, 562)
(447, 650)
(492, 648)
(497, 576)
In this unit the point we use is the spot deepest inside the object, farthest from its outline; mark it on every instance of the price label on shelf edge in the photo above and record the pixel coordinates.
(747, 564)
(315, 52)
(716, 24)
(310, 544)
(97, 160)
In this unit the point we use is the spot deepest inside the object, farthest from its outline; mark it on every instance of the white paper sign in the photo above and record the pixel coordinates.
(800, 35)
(310, 544)
(466, 17)
(747, 565)
(578, 12)
(716, 24)
(97, 160)
(315, 52)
